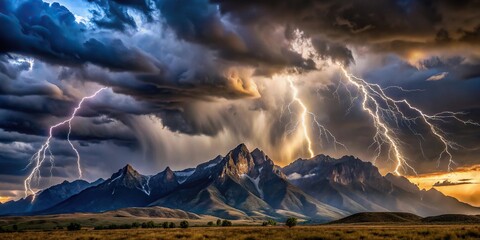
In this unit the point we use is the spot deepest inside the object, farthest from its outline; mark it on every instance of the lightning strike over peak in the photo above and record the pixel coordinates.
(374, 98)
(299, 45)
(39, 157)
(384, 110)
(303, 115)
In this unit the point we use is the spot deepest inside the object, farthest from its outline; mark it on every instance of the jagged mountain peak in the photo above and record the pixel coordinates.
(239, 152)
(239, 160)
(241, 148)
(167, 175)
(169, 172)
(128, 177)
(259, 157)
(129, 169)
(249, 184)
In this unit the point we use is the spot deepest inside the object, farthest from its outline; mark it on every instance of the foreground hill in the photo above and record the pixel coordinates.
(406, 218)
(380, 217)
(248, 185)
(452, 218)
(153, 212)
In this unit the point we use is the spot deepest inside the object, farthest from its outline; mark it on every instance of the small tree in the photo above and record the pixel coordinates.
(226, 223)
(74, 227)
(219, 222)
(184, 224)
(172, 225)
(165, 225)
(291, 222)
(15, 227)
(210, 224)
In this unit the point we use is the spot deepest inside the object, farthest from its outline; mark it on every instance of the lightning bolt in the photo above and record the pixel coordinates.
(39, 157)
(298, 45)
(384, 109)
(393, 108)
(303, 115)
(303, 120)
(383, 134)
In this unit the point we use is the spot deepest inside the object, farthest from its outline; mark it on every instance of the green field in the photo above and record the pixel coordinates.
(258, 232)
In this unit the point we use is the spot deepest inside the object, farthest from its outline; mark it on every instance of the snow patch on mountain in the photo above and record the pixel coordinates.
(255, 181)
(295, 176)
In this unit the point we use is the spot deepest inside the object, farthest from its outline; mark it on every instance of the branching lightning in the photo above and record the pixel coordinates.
(303, 120)
(39, 157)
(298, 46)
(374, 97)
(385, 110)
(303, 115)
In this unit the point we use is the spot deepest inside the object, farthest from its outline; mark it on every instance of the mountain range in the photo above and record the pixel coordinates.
(247, 184)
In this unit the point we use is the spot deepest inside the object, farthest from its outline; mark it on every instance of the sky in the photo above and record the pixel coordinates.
(187, 80)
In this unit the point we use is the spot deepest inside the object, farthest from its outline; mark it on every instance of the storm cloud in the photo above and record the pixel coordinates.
(207, 75)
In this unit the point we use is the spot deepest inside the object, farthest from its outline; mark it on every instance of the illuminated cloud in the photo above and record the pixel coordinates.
(437, 77)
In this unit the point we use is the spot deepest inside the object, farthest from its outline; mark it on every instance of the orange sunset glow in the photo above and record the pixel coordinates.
(463, 183)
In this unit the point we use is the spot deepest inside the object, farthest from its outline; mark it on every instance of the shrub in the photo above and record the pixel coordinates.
(74, 227)
(219, 222)
(210, 224)
(136, 225)
(149, 224)
(172, 225)
(98, 228)
(184, 224)
(291, 222)
(15, 227)
(165, 225)
(270, 222)
(226, 223)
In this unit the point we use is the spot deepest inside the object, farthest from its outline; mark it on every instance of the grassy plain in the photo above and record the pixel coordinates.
(344, 231)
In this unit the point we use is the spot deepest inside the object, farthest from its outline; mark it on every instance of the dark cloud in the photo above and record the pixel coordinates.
(112, 14)
(51, 33)
(449, 183)
(386, 26)
(260, 45)
(202, 70)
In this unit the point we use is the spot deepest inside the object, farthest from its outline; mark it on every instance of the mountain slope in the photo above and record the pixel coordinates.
(126, 188)
(47, 197)
(242, 185)
(431, 202)
(248, 185)
(356, 186)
